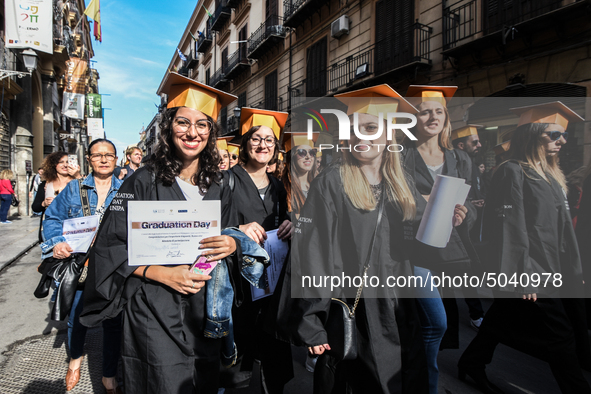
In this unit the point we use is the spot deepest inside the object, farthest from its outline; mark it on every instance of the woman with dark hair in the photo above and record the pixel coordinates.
(101, 186)
(57, 173)
(530, 237)
(165, 347)
(260, 202)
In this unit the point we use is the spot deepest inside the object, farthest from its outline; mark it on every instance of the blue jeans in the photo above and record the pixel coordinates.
(111, 337)
(5, 206)
(433, 324)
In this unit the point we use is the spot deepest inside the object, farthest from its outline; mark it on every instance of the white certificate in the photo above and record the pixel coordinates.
(277, 250)
(79, 232)
(437, 222)
(168, 232)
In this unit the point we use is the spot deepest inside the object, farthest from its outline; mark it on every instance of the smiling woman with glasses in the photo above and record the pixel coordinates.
(101, 186)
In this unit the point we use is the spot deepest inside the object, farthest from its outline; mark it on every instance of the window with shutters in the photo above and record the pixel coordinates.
(207, 75)
(271, 91)
(316, 69)
(271, 8)
(242, 37)
(394, 37)
(242, 100)
(224, 59)
(224, 121)
(499, 13)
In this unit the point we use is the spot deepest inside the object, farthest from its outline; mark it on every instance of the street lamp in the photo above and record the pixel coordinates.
(237, 112)
(30, 59)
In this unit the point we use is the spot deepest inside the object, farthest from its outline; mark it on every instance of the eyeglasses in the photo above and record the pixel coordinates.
(269, 141)
(555, 135)
(98, 157)
(234, 157)
(304, 152)
(182, 125)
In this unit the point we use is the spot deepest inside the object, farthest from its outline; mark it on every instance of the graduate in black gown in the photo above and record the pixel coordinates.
(164, 346)
(260, 202)
(333, 237)
(531, 238)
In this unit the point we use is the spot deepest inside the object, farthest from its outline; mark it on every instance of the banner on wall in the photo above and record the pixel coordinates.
(93, 106)
(76, 70)
(29, 24)
(94, 129)
(73, 105)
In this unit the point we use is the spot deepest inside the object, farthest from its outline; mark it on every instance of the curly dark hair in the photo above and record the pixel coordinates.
(243, 155)
(49, 165)
(167, 165)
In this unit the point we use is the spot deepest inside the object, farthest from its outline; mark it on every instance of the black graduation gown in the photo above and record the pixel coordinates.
(583, 232)
(253, 334)
(164, 348)
(529, 230)
(333, 237)
(459, 256)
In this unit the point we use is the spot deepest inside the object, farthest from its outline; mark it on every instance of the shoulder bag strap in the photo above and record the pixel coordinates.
(373, 240)
(84, 198)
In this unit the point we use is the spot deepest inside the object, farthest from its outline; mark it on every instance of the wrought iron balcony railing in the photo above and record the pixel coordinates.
(270, 32)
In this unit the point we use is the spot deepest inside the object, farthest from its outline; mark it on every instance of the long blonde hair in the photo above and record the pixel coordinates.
(358, 189)
(528, 150)
(6, 174)
(444, 138)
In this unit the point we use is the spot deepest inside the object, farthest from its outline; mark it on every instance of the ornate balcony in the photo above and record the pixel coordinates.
(221, 15)
(205, 39)
(237, 63)
(218, 79)
(266, 36)
(296, 12)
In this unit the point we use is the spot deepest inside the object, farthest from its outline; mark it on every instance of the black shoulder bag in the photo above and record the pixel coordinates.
(340, 324)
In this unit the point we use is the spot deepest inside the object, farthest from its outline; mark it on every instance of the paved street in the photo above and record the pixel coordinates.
(33, 357)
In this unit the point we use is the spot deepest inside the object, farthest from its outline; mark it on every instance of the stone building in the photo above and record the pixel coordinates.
(31, 124)
(271, 55)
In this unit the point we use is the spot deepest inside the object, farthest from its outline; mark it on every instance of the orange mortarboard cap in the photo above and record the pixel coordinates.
(250, 117)
(554, 112)
(291, 140)
(222, 142)
(417, 94)
(185, 92)
(378, 99)
(502, 147)
(465, 131)
(233, 149)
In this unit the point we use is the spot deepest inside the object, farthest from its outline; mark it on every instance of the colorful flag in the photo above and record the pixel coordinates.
(181, 55)
(94, 12)
(208, 13)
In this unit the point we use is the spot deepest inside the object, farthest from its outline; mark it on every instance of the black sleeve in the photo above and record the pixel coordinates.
(39, 197)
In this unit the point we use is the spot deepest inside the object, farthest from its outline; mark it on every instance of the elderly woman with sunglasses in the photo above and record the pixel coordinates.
(101, 186)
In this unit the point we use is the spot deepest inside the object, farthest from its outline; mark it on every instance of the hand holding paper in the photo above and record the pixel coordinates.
(437, 222)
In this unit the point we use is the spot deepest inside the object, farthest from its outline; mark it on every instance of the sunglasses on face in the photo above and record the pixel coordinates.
(303, 152)
(555, 135)
(234, 157)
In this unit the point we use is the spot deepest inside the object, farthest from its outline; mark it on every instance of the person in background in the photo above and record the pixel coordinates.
(222, 144)
(466, 139)
(101, 186)
(234, 151)
(57, 173)
(34, 187)
(299, 169)
(529, 232)
(574, 183)
(133, 157)
(6, 193)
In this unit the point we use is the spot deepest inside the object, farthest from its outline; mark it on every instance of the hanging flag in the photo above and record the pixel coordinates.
(181, 55)
(208, 13)
(93, 11)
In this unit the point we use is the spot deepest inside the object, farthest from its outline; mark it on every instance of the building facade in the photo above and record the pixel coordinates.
(271, 54)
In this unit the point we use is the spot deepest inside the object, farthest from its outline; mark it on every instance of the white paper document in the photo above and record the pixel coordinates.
(437, 222)
(79, 232)
(168, 232)
(277, 250)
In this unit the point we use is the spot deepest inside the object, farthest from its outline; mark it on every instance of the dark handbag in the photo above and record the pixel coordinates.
(15, 202)
(340, 325)
(67, 272)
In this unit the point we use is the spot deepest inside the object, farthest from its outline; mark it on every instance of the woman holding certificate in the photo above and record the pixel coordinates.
(101, 187)
(260, 201)
(165, 349)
